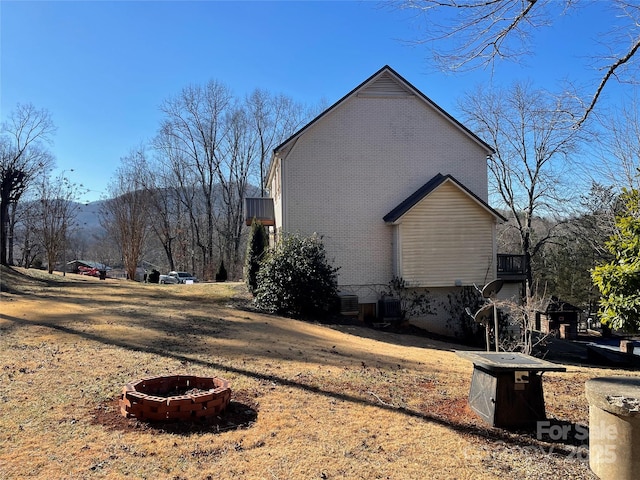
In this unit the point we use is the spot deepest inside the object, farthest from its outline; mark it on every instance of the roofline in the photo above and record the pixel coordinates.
(443, 112)
(398, 212)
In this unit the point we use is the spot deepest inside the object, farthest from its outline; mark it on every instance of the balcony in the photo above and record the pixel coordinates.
(261, 209)
(511, 267)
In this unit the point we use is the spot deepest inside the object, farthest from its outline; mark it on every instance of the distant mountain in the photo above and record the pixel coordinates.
(88, 215)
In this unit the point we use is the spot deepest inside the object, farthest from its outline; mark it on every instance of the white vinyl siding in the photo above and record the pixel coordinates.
(446, 240)
(385, 86)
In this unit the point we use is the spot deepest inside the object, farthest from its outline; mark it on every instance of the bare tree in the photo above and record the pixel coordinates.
(166, 210)
(126, 214)
(191, 135)
(25, 232)
(23, 156)
(163, 203)
(619, 142)
(239, 159)
(174, 175)
(467, 34)
(532, 134)
(522, 315)
(273, 118)
(212, 151)
(56, 212)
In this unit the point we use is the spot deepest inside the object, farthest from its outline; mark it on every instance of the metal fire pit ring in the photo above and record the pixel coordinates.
(176, 397)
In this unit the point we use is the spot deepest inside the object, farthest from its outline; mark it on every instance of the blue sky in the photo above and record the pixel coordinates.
(102, 68)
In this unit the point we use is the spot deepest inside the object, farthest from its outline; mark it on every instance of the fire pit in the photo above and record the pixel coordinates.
(177, 397)
(506, 388)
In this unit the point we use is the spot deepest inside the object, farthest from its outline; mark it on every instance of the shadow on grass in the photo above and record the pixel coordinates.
(51, 289)
(520, 439)
(406, 335)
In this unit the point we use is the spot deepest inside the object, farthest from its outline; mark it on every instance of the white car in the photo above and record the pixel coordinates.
(167, 279)
(182, 277)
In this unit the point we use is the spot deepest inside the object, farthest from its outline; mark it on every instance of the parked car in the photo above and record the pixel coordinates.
(183, 277)
(93, 272)
(168, 279)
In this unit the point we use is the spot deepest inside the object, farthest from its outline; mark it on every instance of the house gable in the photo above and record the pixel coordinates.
(396, 214)
(443, 236)
(385, 83)
(385, 86)
(347, 169)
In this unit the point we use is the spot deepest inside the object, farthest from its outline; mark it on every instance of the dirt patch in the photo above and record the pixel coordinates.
(456, 411)
(242, 412)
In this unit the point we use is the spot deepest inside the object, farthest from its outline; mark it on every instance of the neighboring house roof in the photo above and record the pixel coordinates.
(90, 264)
(381, 83)
(555, 305)
(395, 214)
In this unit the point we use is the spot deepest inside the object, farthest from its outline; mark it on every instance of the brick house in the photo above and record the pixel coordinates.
(395, 186)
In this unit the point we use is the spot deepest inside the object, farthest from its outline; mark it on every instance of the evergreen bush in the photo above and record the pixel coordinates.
(296, 279)
(256, 246)
(619, 280)
(221, 274)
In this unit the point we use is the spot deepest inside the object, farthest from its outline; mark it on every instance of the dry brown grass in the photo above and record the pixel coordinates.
(319, 401)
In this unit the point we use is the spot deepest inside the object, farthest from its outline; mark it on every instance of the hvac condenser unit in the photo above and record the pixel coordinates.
(349, 305)
(389, 309)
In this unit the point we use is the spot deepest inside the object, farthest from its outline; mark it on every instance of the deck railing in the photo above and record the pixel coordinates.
(511, 267)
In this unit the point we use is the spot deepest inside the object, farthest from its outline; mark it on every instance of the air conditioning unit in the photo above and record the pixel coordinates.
(389, 309)
(349, 305)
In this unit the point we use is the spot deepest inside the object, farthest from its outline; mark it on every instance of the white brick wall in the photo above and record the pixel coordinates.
(358, 162)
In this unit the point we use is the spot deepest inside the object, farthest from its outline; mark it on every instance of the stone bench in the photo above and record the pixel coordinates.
(614, 427)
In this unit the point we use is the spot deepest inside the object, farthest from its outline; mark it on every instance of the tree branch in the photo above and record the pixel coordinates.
(611, 71)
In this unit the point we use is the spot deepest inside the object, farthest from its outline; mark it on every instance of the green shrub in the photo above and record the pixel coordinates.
(619, 280)
(296, 279)
(256, 246)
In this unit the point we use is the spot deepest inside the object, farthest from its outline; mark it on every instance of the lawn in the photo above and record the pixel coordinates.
(309, 400)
